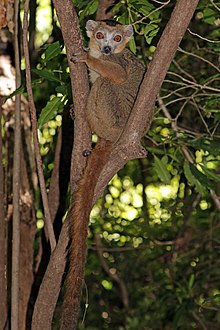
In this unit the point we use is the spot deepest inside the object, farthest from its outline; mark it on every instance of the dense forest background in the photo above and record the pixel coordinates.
(154, 235)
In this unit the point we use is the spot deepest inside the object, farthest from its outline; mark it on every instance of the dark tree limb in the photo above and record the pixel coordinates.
(16, 185)
(50, 287)
(54, 191)
(3, 282)
(48, 222)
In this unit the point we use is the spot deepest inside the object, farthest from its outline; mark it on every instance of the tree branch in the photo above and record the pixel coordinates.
(16, 185)
(3, 282)
(48, 222)
(50, 287)
(80, 86)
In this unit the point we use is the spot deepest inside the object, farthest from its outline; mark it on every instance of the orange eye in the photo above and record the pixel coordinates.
(117, 38)
(99, 35)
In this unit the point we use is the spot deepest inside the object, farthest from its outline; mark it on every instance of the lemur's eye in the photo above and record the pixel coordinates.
(117, 38)
(99, 35)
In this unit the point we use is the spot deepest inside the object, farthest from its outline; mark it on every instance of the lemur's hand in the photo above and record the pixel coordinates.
(79, 57)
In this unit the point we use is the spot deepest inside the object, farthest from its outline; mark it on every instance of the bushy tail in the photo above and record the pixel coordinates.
(83, 201)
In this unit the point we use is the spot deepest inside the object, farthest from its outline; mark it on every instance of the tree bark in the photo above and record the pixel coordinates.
(3, 281)
(16, 185)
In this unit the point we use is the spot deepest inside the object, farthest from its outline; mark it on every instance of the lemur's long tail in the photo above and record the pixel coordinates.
(83, 202)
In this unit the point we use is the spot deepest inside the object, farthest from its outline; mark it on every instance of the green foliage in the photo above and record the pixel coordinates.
(47, 71)
(54, 106)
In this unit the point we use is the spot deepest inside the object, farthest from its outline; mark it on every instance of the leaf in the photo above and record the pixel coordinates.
(201, 177)
(209, 16)
(19, 90)
(161, 170)
(52, 51)
(132, 45)
(192, 180)
(47, 74)
(191, 282)
(53, 106)
(211, 175)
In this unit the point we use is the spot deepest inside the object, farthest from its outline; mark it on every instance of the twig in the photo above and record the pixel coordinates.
(193, 83)
(198, 319)
(183, 71)
(163, 4)
(200, 37)
(174, 127)
(216, 199)
(16, 186)
(48, 222)
(214, 5)
(199, 57)
(3, 282)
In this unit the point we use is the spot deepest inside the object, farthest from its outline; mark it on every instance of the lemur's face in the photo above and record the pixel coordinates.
(108, 37)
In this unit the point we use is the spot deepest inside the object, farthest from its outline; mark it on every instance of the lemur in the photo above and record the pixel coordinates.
(116, 75)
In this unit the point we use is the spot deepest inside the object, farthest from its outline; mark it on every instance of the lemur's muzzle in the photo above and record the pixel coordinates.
(107, 50)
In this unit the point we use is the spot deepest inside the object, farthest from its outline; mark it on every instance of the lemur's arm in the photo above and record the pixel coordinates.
(107, 69)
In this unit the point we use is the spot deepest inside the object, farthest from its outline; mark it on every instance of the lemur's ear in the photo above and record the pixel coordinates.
(128, 32)
(90, 27)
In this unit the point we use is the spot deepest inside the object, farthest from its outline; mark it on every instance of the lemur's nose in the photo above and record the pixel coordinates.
(107, 50)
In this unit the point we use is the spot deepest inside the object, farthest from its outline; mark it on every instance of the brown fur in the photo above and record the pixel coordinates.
(78, 232)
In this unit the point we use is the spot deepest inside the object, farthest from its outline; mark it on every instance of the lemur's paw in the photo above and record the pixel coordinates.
(79, 57)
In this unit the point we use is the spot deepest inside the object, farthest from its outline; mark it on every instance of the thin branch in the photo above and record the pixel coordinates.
(54, 190)
(214, 5)
(48, 222)
(198, 319)
(3, 282)
(199, 57)
(174, 127)
(200, 37)
(163, 4)
(16, 185)
(183, 71)
(193, 83)
(216, 199)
